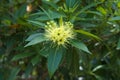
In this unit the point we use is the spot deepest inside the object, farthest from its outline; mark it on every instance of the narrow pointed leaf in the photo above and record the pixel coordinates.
(21, 11)
(13, 73)
(61, 21)
(88, 34)
(21, 56)
(28, 70)
(97, 68)
(54, 60)
(37, 23)
(96, 76)
(87, 7)
(36, 40)
(117, 18)
(51, 4)
(33, 36)
(80, 45)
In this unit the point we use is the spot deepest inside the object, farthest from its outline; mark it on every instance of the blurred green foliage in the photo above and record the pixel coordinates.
(96, 22)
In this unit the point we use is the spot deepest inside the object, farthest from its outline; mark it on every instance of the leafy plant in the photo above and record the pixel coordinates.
(59, 39)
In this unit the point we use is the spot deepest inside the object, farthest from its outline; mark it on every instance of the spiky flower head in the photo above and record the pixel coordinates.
(59, 34)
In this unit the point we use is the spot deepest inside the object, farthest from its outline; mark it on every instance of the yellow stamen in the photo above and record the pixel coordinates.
(59, 34)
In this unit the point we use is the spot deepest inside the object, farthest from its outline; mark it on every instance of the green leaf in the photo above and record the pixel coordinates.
(45, 51)
(96, 76)
(37, 23)
(80, 45)
(97, 68)
(87, 7)
(54, 59)
(28, 70)
(50, 15)
(35, 60)
(87, 25)
(21, 11)
(13, 73)
(102, 10)
(52, 4)
(36, 40)
(72, 3)
(118, 44)
(43, 18)
(31, 37)
(55, 15)
(61, 21)
(88, 34)
(94, 12)
(45, 11)
(21, 56)
(115, 18)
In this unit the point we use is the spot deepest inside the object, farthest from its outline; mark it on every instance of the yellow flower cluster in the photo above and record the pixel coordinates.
(59, 34)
